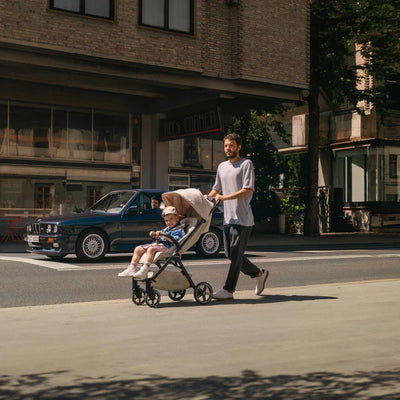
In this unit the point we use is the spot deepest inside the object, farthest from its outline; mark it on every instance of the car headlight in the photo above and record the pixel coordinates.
(51, 228)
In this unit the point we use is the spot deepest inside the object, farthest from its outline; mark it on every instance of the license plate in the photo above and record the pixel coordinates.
(33, 238)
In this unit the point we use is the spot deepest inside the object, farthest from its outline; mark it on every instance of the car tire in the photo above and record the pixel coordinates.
(209, 244)
(91, 245)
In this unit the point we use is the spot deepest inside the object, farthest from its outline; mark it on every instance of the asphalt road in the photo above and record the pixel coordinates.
(326, 327)
(28, 280)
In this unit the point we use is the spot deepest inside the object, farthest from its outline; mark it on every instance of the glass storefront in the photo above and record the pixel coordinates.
(38, 197)
(368, 174)
(193, 162)
(44, 131)
(87, 153)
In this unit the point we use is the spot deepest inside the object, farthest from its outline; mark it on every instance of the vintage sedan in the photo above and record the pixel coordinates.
(117, 223)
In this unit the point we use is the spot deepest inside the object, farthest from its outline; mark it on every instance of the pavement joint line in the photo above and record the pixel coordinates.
(239, 292)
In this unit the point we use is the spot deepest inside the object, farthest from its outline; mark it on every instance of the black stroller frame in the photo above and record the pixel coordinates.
(202, 291)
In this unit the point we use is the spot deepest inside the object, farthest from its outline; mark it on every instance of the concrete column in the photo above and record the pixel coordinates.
(154, 154)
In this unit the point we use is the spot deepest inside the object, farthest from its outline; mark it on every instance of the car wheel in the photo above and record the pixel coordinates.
(91, 245)
(209, 243)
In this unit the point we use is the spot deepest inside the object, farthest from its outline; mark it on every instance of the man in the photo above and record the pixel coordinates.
(234, 185)
(155, 205)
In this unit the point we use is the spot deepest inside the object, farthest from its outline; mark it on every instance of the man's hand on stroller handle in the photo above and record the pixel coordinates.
(214, 196)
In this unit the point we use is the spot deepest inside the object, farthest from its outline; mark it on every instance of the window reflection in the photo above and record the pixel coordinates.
(80, 135)
(3, 128)
(60, 135)
(29, 130)
(110, 137)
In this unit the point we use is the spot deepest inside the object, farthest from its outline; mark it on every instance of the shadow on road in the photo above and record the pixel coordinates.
(261, 299)
(374, 385)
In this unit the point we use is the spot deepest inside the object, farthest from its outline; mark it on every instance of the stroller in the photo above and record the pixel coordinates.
(198, 213)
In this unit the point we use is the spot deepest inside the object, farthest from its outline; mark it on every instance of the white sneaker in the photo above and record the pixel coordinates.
(223, 295)
(142, 273)
(261, 282)
(130, 271)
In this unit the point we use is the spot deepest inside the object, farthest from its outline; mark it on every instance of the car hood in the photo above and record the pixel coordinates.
(73, 217)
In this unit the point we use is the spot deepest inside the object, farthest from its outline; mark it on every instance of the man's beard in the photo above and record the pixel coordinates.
(233, 154)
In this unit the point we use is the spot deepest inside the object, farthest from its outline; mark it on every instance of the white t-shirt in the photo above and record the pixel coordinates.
(232, 177)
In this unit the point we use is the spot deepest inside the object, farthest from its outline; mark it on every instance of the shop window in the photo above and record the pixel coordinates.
(94, 8)
(59, 147)
(393, 166)
(110, 137)
(191, 152)
(80, 135)
(178, 182)
(218, 153)
(173, 15)
(93, 194)
(29, 130)
(43, 198)
(3, 128)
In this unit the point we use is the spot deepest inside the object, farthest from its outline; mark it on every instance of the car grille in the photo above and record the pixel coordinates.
(38, 228)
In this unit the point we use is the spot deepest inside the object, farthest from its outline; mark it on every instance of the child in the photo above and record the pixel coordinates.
(173, 228)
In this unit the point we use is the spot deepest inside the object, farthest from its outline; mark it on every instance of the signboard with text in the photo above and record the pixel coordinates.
(193, 124)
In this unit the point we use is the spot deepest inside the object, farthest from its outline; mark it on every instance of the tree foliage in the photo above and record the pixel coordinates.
(338, 28)
(257, 128)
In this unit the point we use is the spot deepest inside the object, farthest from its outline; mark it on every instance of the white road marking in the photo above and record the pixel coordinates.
(58, 266)
(42, 263)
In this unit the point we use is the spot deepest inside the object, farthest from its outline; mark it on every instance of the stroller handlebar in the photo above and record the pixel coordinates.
(169, 237)
(215, 203)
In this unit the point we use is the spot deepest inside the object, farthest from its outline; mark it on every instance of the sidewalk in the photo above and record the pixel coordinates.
(276, 242)
(336, 341)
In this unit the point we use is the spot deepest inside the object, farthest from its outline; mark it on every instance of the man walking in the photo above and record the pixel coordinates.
(234, 185)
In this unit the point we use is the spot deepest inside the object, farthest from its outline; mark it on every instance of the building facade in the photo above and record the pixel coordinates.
(98, 95)
(359, 165)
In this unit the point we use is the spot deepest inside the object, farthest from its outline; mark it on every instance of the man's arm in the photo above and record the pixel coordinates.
(213, 193)
(237, 195)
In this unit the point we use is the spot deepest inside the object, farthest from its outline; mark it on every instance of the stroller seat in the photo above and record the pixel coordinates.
(189, 225)
(167, 271)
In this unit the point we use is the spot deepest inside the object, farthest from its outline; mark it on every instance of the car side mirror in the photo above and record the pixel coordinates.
(132, 211)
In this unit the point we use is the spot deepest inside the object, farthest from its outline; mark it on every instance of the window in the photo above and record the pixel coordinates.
(172, 15)
(93, 194)
(43, 197)
(29, 132)
(94, 8)
(393, 166)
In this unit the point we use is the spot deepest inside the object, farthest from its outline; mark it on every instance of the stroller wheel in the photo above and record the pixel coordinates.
(154, 299)
(176, 296)
(138, 296)
(203, 293)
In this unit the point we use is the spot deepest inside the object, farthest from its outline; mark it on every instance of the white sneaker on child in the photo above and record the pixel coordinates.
(129, 272)
(142, 273)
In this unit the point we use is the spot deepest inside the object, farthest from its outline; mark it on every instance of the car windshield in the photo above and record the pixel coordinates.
(112, 202)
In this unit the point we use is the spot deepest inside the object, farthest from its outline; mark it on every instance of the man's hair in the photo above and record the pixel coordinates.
(235, 137)
(155, 198)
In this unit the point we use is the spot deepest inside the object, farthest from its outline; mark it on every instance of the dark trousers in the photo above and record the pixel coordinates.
(235, 242)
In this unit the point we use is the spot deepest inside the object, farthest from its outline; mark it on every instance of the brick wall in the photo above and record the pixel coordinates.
(267, 40)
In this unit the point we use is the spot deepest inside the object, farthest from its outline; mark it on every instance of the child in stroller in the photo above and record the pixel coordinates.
(162, 244)
(170, 273)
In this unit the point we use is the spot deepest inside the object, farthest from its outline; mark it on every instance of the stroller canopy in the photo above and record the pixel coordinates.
(189, 202)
